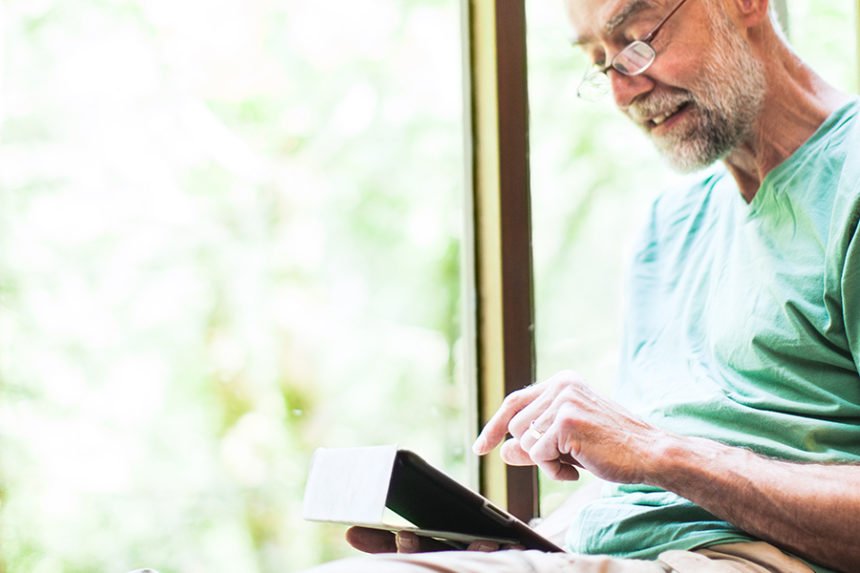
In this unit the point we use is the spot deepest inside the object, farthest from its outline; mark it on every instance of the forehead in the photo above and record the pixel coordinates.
(590, 19)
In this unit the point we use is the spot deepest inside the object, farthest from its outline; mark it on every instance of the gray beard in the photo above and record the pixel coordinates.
(722, 112)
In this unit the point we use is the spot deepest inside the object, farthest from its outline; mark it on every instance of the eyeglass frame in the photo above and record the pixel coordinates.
(596, 70)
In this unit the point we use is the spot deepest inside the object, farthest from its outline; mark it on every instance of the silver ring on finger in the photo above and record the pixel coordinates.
(534, 432)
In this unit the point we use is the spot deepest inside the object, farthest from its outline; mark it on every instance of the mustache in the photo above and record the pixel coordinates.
(653, 105)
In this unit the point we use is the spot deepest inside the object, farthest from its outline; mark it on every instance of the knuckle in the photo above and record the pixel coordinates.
(568, 379)
(510, 402)
(515, 400)
(519, 424)
(569, 426)
(569, 394)
(568, 401)
(568, 415)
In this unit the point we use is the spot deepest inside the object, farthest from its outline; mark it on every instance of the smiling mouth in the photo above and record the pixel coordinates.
(663, 117)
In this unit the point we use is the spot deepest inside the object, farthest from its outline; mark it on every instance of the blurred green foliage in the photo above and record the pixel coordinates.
(230, 234)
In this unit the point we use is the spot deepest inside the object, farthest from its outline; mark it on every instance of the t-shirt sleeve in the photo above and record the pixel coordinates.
(850, 286)
(845, 236)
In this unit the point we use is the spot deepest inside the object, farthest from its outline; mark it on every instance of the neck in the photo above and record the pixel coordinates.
(796, 104)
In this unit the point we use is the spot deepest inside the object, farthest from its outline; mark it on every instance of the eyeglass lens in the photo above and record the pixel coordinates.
(634, 58)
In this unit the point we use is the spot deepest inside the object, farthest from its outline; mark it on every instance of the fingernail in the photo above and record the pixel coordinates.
(479, 445)
(484, 546)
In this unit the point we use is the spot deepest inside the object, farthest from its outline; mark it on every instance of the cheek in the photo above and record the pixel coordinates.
(678, 73)
(682, 60)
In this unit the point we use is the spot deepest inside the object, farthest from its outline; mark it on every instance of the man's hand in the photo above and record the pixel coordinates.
(561, 424)
(812, 510)
(379, 541)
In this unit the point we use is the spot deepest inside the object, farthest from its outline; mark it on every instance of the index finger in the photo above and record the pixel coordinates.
(497, 427)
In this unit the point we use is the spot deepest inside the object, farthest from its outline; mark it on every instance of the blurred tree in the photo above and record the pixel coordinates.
(230, 235)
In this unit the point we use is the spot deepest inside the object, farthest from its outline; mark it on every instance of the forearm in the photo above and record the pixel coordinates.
(811, 510)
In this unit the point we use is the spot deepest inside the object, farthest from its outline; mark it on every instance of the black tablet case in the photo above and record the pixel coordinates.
(436, 504)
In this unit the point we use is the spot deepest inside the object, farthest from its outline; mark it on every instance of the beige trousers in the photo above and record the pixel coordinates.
(753, 557)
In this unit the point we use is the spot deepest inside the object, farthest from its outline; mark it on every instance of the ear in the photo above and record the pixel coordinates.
(752, 12)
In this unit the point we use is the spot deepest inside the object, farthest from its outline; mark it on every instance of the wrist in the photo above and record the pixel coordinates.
(673, 456)
(682, 460)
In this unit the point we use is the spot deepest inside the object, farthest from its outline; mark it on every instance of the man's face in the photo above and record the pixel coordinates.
(700, 98)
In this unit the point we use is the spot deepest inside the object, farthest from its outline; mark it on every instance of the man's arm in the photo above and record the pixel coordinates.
(812, 510)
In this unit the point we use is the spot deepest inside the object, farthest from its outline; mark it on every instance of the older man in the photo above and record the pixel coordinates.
(738, 442)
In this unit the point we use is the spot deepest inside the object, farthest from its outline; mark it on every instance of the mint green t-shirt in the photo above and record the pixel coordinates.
(743, 326)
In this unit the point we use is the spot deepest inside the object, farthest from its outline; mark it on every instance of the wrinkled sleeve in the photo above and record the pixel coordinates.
(850, 285)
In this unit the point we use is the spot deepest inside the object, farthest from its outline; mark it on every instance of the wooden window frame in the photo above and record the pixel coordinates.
(498, 265)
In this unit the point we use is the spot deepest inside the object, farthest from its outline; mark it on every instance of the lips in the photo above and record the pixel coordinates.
(658, 119)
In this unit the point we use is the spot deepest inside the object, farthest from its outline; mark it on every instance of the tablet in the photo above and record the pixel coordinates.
(357, 485)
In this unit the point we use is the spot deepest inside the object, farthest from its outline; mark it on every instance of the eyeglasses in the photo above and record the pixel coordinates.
(634, 59)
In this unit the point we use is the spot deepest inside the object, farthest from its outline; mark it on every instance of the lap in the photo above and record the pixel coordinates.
(755, 557)
(496, 562)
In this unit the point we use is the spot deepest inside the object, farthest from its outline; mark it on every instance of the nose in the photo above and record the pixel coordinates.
(625, 89)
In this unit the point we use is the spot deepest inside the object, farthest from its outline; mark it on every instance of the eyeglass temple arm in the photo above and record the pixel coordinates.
(652, 33)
